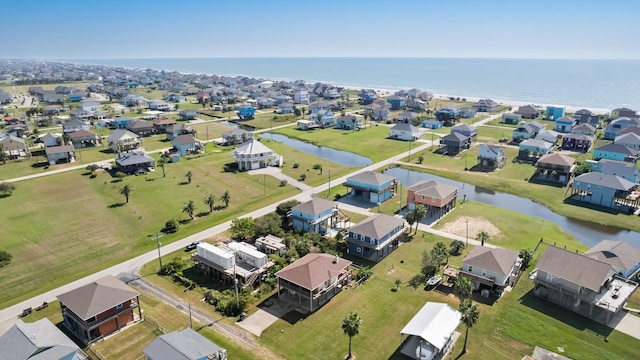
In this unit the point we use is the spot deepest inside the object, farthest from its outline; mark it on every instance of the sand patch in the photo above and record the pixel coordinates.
(474, 224)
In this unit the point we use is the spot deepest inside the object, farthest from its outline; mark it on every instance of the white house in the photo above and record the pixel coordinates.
(431, 331)
(301, 97)
(405, 131)
(255, 155)
(89, 105)
(490, 268)
(324, 117)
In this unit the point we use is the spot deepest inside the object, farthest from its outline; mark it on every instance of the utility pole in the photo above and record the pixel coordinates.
(329, 183)
(410, 150)
(190, 320)
(264, 183)
(467, 232)
(159, 244)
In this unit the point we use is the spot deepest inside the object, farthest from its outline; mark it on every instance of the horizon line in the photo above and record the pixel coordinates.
(306, 57)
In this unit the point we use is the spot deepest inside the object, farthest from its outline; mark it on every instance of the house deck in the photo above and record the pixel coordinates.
(616, 295)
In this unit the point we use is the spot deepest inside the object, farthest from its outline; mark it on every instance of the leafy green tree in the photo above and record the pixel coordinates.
(430, 265)
(398, 282)
(456, 246)
(242, 229)
(126, 191)
(470, 315)
(225, 198)
(5, 258)
(268, 224)
(189, 208)
(364, 272)
(526, 255)
(303, 246)
(421, 212)
(171, 226)
(483, 237)
(411, 218)
(351, 327)
(420, 159)
(463, 288)
(318, 167)
(7, 188)
(210, 201)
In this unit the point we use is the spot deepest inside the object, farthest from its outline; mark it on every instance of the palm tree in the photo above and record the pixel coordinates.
(351, 327)
(225, 198)
(210, 201)
(161, 163)
(126, 190)
(411, 218)
(189, 175)
(526, 255)
(482, 237)
(470, 314)
(189, 207)
(421, 211)
(441, 252)
(464, 288)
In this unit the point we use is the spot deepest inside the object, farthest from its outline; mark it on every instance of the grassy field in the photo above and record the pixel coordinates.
(24, 89)
(66, 226)
(210, 130)
(269, 120)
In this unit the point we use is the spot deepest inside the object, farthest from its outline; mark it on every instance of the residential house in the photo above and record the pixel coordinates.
(376, 237)
(232, 260)
(99, 308)
(554, 112)
(307, 125)
(528, 112)
(187, 114)
(511, 118)
(186, 144)
(397, 102)
(51, 97)
(584, 129)
(602, 189)
(491, 156)
(405, 131)
(255, 155)
(564, 124)
(615, 152)
(524, 132)
(367, 96)
(408, 117)
(313, 280)
(437, 198)
(350, 122)
(554, 167)
(50, 139)
(431, 333)
(142, 128)
(432, 124)
(449, 116)
(372, 186)
(285, 108)
(89, 105)
(611, 131)
(236, 137)
(468, 112)
(317, 215)
(416, 104)
(580, 283)
(39, 340)
(162, 123)
(630, 140)
(378, 110)
(549, 136)
(52, 110)
(75, 125)
(271, 244)
(331, 94)
(467, 130)
(184, 345)
(454, 143)
(135, 162)
(623, 112)
(576, 142)
(123, 140)
(80, 114)
(120, 122)
(323, 117)
(485, 105)
(584, 116)
(532, 149)
(84, 138)
(246, 111)
(159, 105)
(623, 169)
(176, 130)
(624, 258)
(491, 268)
(60, 154)
(301, 97)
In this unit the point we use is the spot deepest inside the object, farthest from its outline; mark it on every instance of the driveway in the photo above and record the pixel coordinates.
(269, 311)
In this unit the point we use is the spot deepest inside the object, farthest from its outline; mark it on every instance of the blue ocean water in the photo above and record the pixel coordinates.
(603, 84)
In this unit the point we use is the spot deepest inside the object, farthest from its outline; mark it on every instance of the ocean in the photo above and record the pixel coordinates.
(595, 84)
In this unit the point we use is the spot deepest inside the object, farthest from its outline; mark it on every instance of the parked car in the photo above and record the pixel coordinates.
(192, 246)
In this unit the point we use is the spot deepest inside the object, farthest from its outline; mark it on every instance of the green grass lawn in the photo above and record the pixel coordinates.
(50, 218)
(210, 130)
(269, 120)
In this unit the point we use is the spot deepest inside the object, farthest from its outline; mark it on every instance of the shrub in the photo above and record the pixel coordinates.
(296, 165)
(5, 258)
(283, 183)
(171, 226)
(303, 177)
(455, 248)
(7, 188)
(364, 273)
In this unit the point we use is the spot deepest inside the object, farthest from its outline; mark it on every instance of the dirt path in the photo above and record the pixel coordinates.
(240, 336)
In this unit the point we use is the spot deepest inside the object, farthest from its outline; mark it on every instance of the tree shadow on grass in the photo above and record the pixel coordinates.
(184, 221)
(2, 196)
(202, 213)
(183, 183)
(116, 205)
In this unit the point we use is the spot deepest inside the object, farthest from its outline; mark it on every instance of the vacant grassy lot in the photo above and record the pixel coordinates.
(210, 130)
(67, 225)
(268, 120)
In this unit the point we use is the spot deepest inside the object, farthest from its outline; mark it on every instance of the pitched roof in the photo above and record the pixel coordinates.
(40, 340)
(133, 158)
(526, 109)
(81, 133)
(455, 136)
(628, 138)
(435, 323)
(50, 150)
(377, 226)
(140, 124)
(432, 189)
(556, 159)
(604, 180)
(402, 126)
(94, 298)
(121, 134)
(578, 269)
(617, 148)
(537, 143)
(370, 177)
(313, 269)
(181, 345)
(252, 146)
(498, 260)
(185, 139)
(315, 206)
(617, 253)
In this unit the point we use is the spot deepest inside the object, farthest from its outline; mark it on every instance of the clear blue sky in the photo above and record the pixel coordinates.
(72, 29)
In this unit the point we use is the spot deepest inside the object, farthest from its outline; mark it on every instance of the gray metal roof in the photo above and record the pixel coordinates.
(40, 340)
(604, 180)
(377, 226)
(133, 158)
(370, 177)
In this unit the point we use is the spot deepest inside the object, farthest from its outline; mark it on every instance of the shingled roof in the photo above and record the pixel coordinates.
(578, 269)
(96, 297)
(499, 261)
(314, 207)
(312, 270)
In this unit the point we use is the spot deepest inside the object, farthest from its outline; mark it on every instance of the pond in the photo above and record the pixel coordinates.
(337, 156)
(586, 232)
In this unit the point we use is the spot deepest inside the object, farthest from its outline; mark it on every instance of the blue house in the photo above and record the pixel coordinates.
(75, 97)
(611, 131)
(349, 122)
(121, 122)
(623, 169)
(554, 112)
(317, 215)
(564, 124)
(432, 124)
(285, 108)
(511, 118)
(372, 186)
(448, 115)
(376, 237)
(532, 149)
(186, 144)
(397, 102)
(246, 112)
(467, 112)
(601, 189)
(615, 152)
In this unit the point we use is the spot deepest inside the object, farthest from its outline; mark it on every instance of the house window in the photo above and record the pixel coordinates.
(470, 268)
(367, 239)
(359, 249)
(583, 291)
(119, 306)
(550, 277)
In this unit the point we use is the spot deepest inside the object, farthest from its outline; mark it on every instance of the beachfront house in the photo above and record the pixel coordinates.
(405, 131)
(485, 105)
(313, 280)
(554, 112)
(527, 112)
(580, 283)
(437, 198)
(492, 269)
(491, 156)
(555, 167)
(375, 237)
(624, 258)
(186, 344)
(603, 189)
(564, 124)
(531, 149)
(431, 332)
(372, 186)
(99, 308)
(255, 155)
(623, 112)
(615, 152)
(317, 215)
